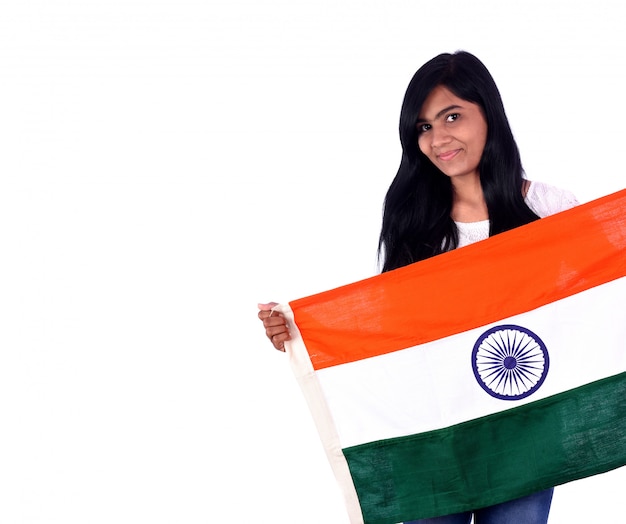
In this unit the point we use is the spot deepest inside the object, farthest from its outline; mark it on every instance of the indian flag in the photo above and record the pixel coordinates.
(474, 377)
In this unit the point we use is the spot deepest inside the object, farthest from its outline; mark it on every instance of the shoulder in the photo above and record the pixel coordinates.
(545, 199)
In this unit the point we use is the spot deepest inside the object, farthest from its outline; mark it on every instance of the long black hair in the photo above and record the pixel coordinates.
(417, 207)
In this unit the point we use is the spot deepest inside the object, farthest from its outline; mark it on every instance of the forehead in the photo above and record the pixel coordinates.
(438, 100)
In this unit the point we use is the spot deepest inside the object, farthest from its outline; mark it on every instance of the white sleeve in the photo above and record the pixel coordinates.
(545, 199)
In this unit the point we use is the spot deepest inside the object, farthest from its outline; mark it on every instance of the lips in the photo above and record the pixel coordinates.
(448, 155)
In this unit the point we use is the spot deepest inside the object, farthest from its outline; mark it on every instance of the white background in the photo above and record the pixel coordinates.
(167, 164)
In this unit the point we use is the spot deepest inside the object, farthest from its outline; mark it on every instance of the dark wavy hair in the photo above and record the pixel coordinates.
(416, 217)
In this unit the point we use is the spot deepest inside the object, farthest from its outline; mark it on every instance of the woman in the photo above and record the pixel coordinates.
(460, 181)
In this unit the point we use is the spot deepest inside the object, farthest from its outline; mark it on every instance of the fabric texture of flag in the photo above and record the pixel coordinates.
(474, 377)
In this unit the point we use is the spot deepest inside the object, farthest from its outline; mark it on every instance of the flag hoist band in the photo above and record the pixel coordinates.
(474, 377)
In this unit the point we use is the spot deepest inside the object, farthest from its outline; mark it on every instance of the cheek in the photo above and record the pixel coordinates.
(421, 145)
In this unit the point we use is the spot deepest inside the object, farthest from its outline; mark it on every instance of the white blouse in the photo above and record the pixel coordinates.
(543, 199)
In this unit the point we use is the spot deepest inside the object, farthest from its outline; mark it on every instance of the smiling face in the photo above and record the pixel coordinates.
(452, 133)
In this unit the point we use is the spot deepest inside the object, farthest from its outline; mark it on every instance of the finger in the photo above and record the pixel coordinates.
(279, 341)
(274, 321)
(268, 313)
(277, 330)
(263, 314)
(267, 307)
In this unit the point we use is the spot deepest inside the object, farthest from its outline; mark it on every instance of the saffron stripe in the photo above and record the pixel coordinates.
(545, 261)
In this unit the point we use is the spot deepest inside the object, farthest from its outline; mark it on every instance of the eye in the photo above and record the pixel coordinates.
(452, 117)
(421, 128)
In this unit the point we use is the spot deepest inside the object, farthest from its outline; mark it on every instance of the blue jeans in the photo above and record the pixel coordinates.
(532, 509)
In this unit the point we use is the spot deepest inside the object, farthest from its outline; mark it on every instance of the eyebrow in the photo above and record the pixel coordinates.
(438, 115)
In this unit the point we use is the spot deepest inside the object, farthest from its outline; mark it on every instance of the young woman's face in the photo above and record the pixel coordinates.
(452, 133)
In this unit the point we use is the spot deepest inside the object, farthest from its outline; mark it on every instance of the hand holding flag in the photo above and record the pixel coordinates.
(275, 325)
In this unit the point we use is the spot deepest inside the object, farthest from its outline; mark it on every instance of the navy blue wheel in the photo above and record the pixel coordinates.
(510, 362)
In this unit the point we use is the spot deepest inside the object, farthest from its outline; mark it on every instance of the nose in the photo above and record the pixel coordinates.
(439, 136)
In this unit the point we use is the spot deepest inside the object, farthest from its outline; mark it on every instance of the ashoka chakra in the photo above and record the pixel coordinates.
(510, 362)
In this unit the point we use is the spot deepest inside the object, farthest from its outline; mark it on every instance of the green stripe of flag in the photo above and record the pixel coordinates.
(574, 434)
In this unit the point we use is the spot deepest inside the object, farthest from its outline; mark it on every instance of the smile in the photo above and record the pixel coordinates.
(448, 155)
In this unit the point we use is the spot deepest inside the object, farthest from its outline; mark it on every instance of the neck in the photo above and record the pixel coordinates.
(468, 200)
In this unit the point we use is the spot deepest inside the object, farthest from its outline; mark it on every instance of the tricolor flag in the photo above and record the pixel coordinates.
(477, 376)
